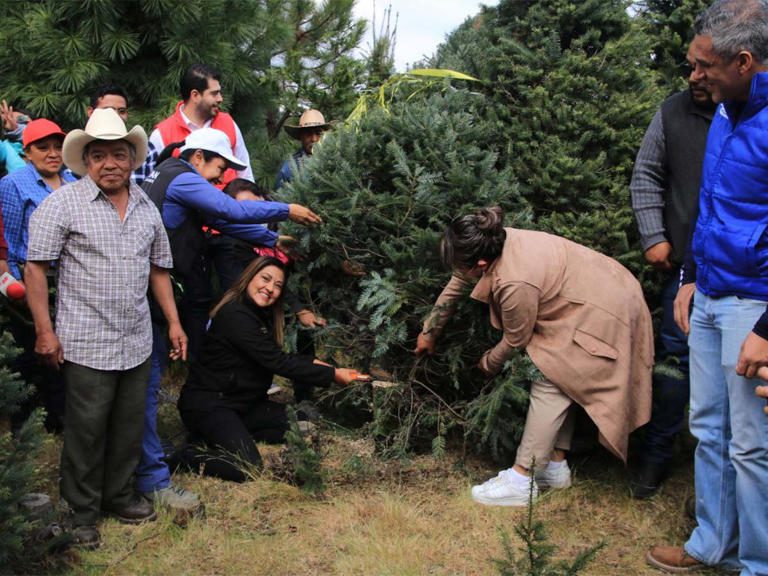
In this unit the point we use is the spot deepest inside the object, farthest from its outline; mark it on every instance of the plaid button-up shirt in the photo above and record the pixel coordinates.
(142, 172)
(102, 314)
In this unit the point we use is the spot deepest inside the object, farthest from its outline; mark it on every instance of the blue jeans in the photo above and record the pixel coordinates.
(727, 418)
(670, 391)
(152, 473)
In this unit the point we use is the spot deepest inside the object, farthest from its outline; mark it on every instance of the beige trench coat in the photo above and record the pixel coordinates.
(581, 318)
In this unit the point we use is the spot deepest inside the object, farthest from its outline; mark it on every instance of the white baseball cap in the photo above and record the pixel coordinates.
(214, 141)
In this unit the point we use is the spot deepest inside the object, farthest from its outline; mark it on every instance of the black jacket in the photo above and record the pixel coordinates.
(187, 241)
(686, 125)
(239, 358)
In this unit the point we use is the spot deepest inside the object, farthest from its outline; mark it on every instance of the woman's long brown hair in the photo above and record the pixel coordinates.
(238, 291)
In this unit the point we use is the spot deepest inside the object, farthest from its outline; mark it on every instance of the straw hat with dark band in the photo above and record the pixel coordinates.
(310, 120)
(104, 124)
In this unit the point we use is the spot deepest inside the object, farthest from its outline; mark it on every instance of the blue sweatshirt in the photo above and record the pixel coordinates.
(191, 192)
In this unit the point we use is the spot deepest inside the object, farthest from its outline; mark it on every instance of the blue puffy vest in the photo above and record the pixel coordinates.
(730, 246)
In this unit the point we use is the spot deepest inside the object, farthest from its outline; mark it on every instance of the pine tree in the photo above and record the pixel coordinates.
(550, 135)
(574, 91)
(535, 557)
(276, 58)
(380, 60)
(17, 457)
(302, 457)
(467, 48)
(313, 66)
(386, 187)
(57, 51)
(670, 23)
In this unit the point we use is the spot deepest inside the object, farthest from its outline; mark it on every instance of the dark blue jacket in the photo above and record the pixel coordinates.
(286, 171)
(730, 245)
(187, 201)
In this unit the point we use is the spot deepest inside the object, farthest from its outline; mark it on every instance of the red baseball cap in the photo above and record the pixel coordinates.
(39, 129)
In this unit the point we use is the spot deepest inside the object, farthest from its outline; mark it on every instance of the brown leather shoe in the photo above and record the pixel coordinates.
(673, 559)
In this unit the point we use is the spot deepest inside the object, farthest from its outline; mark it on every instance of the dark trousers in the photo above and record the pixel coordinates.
(222, 440)
(104, 423)
(48, 383)
(228, 260)
(305, 345)
(670, 391)
(195, 304)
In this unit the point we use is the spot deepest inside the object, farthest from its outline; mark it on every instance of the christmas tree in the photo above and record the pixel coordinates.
(550, 135)
(670, 22)
(574, 88)
(386, 187)
(17, 456)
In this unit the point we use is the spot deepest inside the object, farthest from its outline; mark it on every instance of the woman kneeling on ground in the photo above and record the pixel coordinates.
(581, 318)
(224, 401)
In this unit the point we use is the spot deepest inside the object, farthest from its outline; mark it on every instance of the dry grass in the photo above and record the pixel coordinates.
(388, 518)
(384, 518)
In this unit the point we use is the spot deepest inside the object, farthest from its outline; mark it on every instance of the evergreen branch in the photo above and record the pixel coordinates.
(458, 416)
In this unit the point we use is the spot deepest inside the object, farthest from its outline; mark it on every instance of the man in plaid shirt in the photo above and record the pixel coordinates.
(110, 245)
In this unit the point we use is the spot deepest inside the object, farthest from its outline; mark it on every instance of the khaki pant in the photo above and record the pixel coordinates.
(548, 425)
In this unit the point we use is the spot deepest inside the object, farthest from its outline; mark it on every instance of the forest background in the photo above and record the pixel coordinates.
(547, 127)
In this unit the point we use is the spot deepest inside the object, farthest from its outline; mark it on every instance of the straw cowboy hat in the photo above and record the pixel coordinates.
(311, 119)
(104, 124)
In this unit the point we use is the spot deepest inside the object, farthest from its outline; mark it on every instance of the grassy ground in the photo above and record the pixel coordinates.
(387, 518)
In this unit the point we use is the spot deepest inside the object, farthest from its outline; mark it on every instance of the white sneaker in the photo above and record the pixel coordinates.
(504, 491)
(559, 477)
(480, 488)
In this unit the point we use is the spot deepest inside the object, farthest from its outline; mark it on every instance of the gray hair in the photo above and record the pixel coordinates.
(131, 148)
(735, 26)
